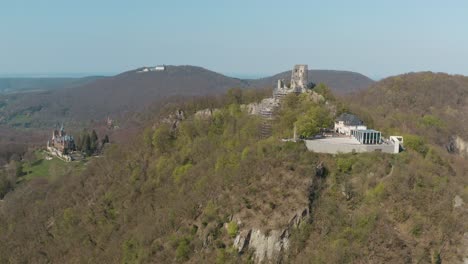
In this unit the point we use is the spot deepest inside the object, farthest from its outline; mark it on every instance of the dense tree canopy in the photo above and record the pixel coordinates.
(175, 194)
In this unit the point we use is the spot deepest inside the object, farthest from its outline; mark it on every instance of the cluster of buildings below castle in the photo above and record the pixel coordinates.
(350, 134)
(353, 136)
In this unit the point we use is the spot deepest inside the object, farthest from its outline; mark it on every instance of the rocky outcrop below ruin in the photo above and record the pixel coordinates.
(264, 107)
(461, 145)
(269, 246)
(458, 145)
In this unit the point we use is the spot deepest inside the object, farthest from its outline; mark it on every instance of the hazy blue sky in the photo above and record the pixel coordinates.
(241, 37)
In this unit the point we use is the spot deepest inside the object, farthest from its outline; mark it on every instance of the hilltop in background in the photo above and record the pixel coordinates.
(132, 91)
(340, 82)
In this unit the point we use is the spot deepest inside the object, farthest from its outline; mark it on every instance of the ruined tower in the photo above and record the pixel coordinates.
(299, 81)
(299, 78)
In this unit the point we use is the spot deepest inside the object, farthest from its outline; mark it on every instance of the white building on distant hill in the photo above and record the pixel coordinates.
(152, 69)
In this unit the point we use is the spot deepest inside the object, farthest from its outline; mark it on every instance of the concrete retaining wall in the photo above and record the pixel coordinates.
(320, 146)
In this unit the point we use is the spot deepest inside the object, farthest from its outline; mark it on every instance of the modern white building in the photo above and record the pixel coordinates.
(397, 143)
(358, 139)
(346, 123)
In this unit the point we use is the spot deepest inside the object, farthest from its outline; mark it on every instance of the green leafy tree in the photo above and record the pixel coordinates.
(416, 143)
(162, 138)
(234, 96)
(323, 90)
(312, 121)
(232, 229)
(183, 250)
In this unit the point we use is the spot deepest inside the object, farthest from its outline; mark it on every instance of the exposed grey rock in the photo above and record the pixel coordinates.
(204, 114)
(320, 170)
(450, 146)
(242, 239)
(457, 202)
(269, 247)
(297, 219)
(265, 107)
(457, 145)
(461, 145)
(465, 246)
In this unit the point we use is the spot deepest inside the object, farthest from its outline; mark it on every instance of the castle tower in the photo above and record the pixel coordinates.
(299, 78)
(62, 131)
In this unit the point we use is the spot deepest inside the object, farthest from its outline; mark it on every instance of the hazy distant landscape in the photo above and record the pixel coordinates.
(10, 85)
(49, 101)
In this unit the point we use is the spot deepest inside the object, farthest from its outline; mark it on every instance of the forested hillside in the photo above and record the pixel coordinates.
(432, 106)
(21, 85)
(184, 193)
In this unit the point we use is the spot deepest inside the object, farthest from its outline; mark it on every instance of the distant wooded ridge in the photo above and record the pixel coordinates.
(341, 81)
(43, 102)
(24, 84)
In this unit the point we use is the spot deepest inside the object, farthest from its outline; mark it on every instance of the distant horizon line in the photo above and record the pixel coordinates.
(55, 74)
(109, 74)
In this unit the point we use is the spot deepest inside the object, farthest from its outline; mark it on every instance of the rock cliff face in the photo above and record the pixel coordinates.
(266, 105)
(272, 246)
(461, 145)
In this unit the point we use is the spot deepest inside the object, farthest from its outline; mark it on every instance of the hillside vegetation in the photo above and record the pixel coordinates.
(184, 194)
(433, 106)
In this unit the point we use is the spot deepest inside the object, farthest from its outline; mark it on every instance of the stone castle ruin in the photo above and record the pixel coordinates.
(299, 82)
(266, 108)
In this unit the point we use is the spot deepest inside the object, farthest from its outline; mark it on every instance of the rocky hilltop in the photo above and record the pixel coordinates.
(210, 188)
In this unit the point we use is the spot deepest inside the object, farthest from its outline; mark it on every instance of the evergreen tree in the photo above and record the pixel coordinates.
(94, 141)
(105, 140)
(87, 145)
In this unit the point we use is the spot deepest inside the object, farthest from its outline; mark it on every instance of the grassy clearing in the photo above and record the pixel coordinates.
(50, 169)
(20, 120)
